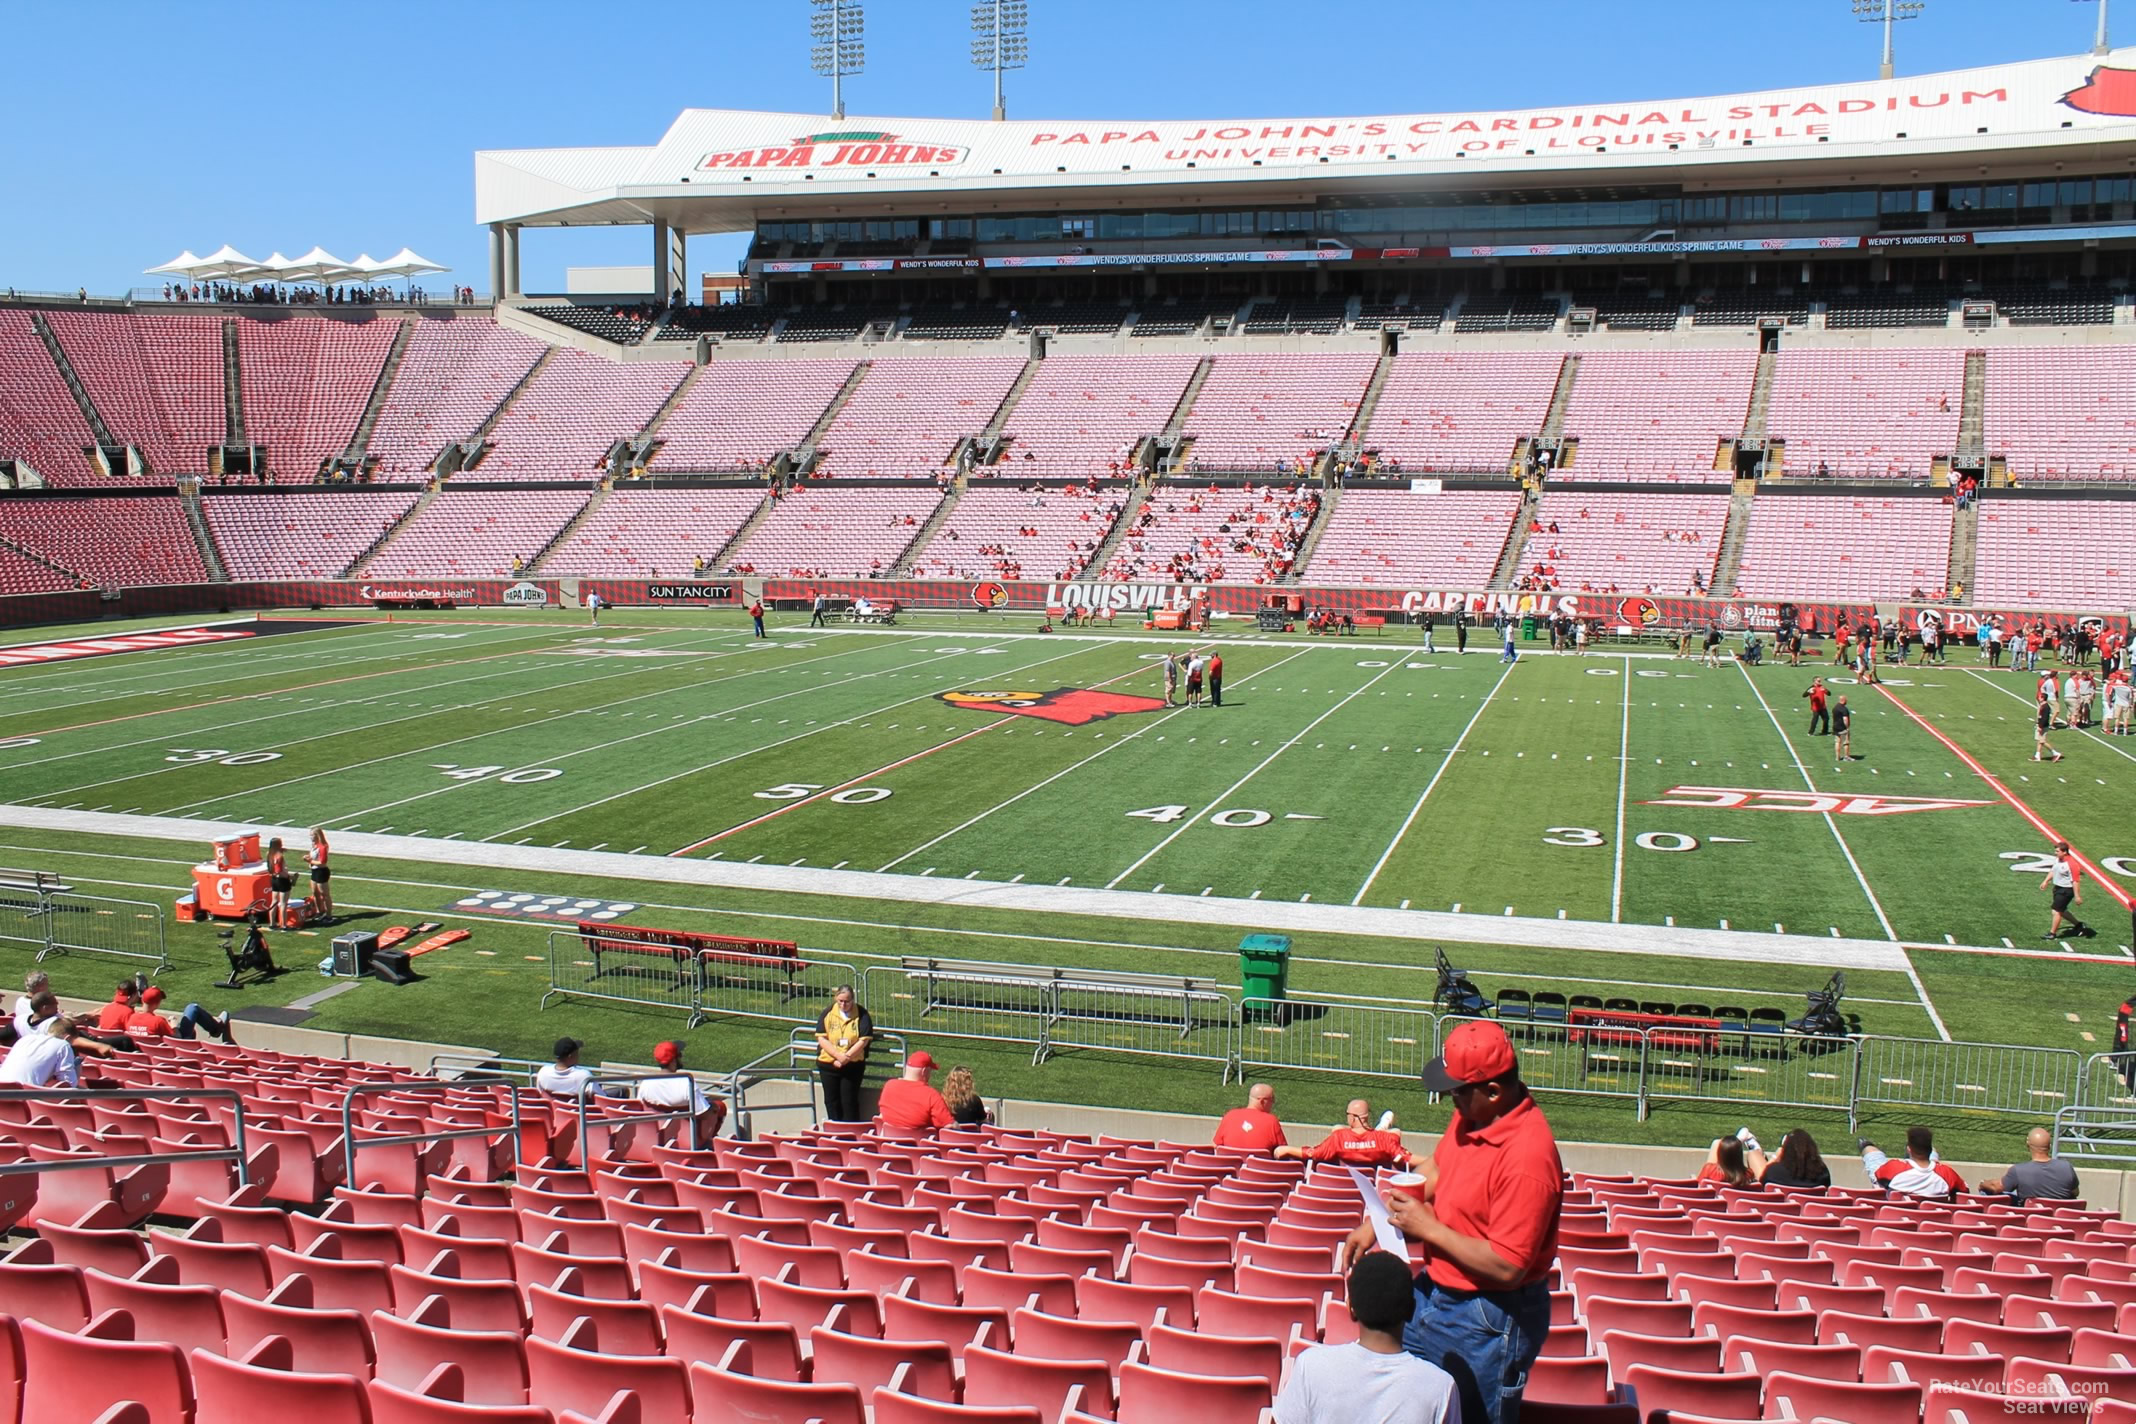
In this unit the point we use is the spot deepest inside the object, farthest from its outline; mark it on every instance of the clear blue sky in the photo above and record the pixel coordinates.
(135, 130)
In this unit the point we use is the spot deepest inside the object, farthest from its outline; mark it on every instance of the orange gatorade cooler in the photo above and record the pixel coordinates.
(238, 851)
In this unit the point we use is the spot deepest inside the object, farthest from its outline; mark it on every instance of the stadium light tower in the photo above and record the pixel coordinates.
(2099, 45)
(999, 41)
(839, 49)
(1887, 13)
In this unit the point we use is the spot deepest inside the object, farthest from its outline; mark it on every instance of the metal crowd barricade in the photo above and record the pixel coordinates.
(1556, 1058)
(1115, 1018)
(1751, 1069)
(350, 1144)
(235, 1152)
(793, 1062)
(695, 982)
(1984, 1077)
(2108, 1083)
(666, 979)
(1355, 1040)
(35, 909)
(2100, 1134)
(971, 1006)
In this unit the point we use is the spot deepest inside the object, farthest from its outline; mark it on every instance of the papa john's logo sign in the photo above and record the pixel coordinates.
(1076, 706)
(849, 148)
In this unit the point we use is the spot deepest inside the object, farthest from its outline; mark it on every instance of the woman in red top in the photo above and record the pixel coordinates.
(321, 875)
(278, 882)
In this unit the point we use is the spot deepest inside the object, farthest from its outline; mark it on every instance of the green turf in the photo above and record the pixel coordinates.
(662, 731)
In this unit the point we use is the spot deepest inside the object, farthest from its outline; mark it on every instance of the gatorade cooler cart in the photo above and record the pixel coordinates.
(234, 884)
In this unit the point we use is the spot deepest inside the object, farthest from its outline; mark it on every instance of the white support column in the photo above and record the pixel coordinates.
(496, 259)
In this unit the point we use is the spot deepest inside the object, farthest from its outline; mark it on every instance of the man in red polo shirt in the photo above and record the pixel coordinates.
(1356, 1143)
(1252, 1128)
(909, 1103)
(1487, 1213)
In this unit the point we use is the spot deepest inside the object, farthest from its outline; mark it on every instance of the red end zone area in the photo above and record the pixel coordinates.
(159, 640)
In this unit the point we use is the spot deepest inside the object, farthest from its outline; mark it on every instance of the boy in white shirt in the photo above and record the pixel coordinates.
(1374, 1381)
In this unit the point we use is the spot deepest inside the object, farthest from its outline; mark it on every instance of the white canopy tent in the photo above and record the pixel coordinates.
(318, 266)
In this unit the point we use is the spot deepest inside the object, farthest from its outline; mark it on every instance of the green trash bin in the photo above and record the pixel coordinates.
(1264, 974)
(1527, 627)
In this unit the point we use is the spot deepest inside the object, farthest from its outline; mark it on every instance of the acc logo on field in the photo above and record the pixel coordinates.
(1640, 612)
(989, 595)
(1739, 798)
(1075, 706)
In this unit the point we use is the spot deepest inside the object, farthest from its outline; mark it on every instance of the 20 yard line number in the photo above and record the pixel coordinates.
(2032, 862)
(1587, 838)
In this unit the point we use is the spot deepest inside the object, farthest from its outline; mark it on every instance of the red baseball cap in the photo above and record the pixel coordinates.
(667, 1054)
(152, 996)
(921, 1059)
(1473, 1053)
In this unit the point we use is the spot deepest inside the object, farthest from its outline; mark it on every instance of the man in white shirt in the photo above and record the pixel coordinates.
(36, 983)
(564, 1078)
(43, 1057)
(677, 1094)
(1375, 1380)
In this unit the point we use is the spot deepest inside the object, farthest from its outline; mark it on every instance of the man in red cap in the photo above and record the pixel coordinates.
(1357, 1143)
(909, 1103)
(148, 1020)
(681, 1093)
(1487, 1213)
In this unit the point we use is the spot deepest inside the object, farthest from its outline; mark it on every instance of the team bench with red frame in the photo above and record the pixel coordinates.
(693, 958)
(1608, 1037)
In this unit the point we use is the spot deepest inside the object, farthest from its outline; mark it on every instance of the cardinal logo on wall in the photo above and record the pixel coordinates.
(2107, 91)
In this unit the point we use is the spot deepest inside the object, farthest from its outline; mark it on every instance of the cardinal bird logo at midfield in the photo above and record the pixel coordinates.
(2106, 91)
(1639, 612)
(1075, 706)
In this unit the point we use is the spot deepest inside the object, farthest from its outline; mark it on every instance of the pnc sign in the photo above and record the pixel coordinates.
(852, 148)
(1736, 798)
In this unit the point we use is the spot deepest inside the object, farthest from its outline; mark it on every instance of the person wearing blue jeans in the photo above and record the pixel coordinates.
(1486, 1208)
(149, 1022)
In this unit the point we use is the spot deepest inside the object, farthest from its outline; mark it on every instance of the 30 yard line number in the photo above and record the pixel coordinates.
(1586, 837)
(201, 756)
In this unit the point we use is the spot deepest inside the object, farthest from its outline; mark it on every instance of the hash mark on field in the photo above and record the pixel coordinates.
(604, 845)
(1158, 888)
(1062, 881)
(1405, 904)
(1305, 899)
(1835, 932)
(522, 840)
(1457, 907)
(1668, 919)
(1254, 896)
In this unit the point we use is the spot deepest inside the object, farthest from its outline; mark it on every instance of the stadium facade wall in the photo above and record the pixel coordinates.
(1125, 600)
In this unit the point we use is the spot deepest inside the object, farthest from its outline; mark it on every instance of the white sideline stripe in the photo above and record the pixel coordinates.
(1414, 811)
(1291, 741)
(1624, 770)
(1852, 864)
(1800, 951)
(1074, 766)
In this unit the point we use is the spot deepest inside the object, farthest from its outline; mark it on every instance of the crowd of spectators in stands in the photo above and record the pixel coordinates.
(274, 294)
(1263, 528)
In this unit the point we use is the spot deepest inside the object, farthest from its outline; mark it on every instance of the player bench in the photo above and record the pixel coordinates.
(886, 614)
(1612, 1040)
(694, 959)
(1373, 623)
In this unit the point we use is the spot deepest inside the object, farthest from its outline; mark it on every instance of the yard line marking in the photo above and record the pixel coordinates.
(501, 731)
(1076, 766)
(1860, 879)
(1624, 770)
(867, 776)
(2016, 804)
(749, 752)
(1416, 810)
(1266, 762)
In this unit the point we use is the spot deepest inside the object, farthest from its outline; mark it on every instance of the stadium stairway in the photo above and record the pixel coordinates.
(742, 535)
(1368, 403)
(1732, 537)
(189, 501)
(1000, 422)
(814, 438)
(363, 560)
(1329, 498)
(1177, 425)
(646, 441)
(1531, 496)
(1131, 509)
(1761, 397)
(360, 441)
(1965, 550)
(950, 499)
(478, 439)
(233, 386)
(74, 381)
(577, 521)
(36, 558)
(1972, 445)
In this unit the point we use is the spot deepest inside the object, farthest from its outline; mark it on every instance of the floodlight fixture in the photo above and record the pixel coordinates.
(1887, 13)
(1000, 41)
(840, 46)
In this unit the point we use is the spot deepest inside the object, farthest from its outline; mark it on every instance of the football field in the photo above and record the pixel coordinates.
(1620, 787)
(1624, 823)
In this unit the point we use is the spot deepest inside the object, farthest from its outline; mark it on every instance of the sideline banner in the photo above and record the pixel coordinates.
(1119, 601)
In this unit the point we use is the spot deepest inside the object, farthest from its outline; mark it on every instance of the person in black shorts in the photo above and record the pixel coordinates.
(322, 875)
(2062, 875)
(1842, 730)
(1461, 627)
(279, 882)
